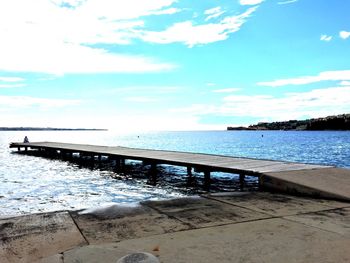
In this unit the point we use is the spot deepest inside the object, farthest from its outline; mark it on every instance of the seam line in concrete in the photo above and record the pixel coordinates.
(310, 226)
(231, 223)
(80, 231)
(327, 208)
(240, 206)
(170, 216)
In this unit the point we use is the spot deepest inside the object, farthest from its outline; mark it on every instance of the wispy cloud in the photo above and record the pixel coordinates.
(192, 34)
(62, 58)
(11, 82)
(11, 85)
(326, 38)
(229, 90)
(314, 103)
(250, 2)
(323, 76)
(140, 99)
(344, 83)
(27, 101)
(213, 13)
(11, 79)
(152, 90)
(60, 35)
(344, 34)
(287, 2)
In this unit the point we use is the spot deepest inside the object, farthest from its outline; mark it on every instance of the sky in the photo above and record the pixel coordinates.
(172, 64)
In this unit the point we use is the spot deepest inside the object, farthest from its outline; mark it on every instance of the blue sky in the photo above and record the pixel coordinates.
(172, 65)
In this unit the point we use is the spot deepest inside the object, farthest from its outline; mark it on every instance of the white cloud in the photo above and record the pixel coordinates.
(344, 83)
(323, 76)
(326, 38)
(27, 101)
(11, 85)
(60, 58)
(140, 99)
(55, 36)
(149, 90)
(287, 2)
(169, 11)
(226, 90)
(191, 34)
(250, 2)
(11, 79)
(60, 36)
(213, 10)
(344, 34)
(213, 13)
(315, 103)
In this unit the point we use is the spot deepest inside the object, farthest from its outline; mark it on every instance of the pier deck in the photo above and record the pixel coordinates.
(319, 180)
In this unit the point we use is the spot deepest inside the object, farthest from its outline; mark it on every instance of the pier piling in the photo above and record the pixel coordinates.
(207, 180)
(153, 173)
(241, 181)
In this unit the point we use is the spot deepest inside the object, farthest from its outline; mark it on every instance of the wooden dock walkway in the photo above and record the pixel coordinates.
(287, 176)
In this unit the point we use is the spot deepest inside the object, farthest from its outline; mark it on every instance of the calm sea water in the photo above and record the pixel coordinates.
(31, 184)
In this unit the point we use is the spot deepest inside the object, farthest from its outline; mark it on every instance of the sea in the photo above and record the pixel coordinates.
(30, 184)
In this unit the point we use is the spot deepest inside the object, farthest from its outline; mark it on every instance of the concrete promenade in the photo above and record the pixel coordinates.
(231, 227)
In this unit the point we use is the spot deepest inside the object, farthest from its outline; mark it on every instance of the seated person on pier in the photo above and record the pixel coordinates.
(26, 140)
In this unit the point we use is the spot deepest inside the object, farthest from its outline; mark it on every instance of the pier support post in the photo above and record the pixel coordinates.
(80, 159)
(206, 180)
(153, 173)
(19, 149)
(241, 181)
(189, 171)
(119, 165)
(122, 165)
(99, 158)
(190, 176)
(92, 160)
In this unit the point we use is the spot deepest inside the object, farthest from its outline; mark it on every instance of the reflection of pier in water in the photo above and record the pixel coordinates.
(312, 179)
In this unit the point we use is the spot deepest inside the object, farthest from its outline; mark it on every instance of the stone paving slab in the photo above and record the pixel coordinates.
(337, 220)
(58, 258)
(96, 254)
(272, 204)
(201, 212)
(117, 222)
(264, 241)
(31, 237)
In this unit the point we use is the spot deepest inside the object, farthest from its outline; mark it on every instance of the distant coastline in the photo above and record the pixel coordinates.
(331, 123)
(46, 129)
